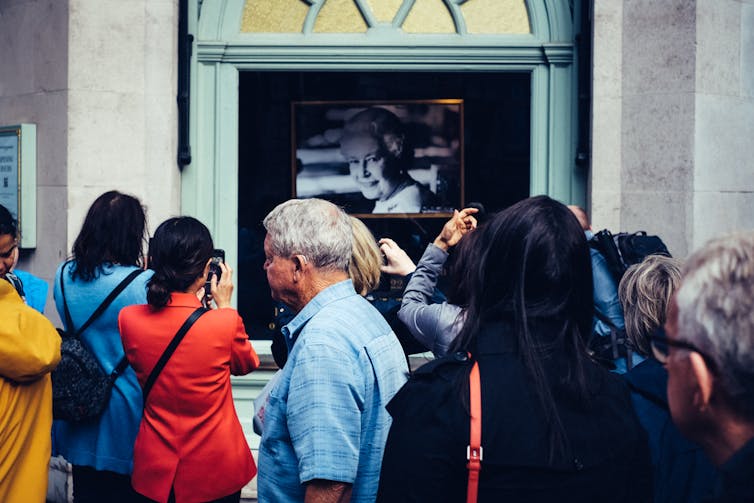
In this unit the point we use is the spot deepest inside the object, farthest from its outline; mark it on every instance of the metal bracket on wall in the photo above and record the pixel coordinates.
(185, 43)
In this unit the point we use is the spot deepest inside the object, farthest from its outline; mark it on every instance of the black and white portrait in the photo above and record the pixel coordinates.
(387, 158)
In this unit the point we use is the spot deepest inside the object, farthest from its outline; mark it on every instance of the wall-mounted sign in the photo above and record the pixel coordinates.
(18, 178)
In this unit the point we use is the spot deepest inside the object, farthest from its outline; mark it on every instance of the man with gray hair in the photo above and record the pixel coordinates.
(710, 359)
(325, 424)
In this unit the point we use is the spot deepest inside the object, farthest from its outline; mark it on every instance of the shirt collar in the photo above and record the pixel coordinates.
(330, 294)
(180, 299)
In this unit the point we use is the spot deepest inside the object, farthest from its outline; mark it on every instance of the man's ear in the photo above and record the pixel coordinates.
(300, 263)
(704, 381)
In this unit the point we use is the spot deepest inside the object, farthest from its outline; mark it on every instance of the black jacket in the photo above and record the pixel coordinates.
(425, 457)
(682, 472)
(736, 483)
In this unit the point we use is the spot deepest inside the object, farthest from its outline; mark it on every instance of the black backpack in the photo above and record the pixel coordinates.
(80, 387)
(625, 249)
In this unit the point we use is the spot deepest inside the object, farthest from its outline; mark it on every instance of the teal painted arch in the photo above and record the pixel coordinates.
(551, 20)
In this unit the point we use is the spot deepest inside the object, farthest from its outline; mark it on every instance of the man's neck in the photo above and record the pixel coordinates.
(317, 282)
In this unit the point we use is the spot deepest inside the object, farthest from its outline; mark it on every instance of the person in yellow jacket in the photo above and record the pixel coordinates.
(29, 350)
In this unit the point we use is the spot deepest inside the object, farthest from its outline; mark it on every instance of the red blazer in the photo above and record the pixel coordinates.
(189, 438)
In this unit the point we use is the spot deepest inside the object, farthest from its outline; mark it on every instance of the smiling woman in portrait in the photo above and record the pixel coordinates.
(378, 153)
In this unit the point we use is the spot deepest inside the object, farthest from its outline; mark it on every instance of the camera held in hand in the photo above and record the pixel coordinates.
(218, 257)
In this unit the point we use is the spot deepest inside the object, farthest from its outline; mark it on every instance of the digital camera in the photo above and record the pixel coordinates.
(218, 256)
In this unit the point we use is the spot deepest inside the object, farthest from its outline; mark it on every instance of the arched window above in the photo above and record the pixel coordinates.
(462, 17)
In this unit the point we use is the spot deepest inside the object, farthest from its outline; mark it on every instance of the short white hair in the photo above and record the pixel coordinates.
(716, 313)
(315, 228)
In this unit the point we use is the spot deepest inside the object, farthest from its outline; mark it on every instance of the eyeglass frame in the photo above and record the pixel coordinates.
(660, 337)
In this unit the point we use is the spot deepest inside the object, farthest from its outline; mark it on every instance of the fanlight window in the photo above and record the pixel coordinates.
(462, 17)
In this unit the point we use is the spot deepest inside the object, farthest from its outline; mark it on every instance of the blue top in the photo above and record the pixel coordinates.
(326, 417)
(35, 289)
(107, 442)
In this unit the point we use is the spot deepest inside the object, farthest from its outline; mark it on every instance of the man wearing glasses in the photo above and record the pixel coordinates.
(709, 354)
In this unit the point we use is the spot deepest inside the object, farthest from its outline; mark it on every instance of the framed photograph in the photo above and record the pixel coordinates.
(380, 158)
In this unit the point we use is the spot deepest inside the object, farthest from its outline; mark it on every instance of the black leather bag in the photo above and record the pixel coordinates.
(80, 387)
(624, 249)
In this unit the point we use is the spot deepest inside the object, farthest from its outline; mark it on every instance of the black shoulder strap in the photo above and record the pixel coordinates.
(170, 350)
(68, 321)
(101, 308)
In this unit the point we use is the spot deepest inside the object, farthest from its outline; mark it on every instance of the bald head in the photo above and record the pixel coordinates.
(581, 216)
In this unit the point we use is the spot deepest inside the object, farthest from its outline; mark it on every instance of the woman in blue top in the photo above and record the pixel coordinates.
(108, 248)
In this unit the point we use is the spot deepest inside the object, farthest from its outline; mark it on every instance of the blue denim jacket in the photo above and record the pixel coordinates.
(606, 302)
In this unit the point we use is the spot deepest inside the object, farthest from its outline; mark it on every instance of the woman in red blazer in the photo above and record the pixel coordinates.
(190, 446)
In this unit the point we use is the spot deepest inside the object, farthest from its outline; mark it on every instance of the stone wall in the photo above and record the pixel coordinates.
(122, 105)
(673, 112)
(99, 79)
(34, 89)
(723, 197)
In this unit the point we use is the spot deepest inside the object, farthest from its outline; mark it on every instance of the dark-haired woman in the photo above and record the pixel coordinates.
(190, 446)
(108, 248)
(555, 426)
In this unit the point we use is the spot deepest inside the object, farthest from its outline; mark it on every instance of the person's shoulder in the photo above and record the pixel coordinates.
(134, 311)
(605, 382)
(226, 317)
(444, 366)
(145, 275)
(338, 314)
(431, 387)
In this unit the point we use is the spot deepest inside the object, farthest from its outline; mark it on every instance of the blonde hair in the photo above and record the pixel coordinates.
(366, 258)
(645, 291)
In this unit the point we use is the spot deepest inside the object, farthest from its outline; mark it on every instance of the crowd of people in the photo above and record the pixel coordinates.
(345, 419)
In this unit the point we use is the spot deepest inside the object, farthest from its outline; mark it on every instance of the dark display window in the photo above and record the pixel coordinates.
(496, 152)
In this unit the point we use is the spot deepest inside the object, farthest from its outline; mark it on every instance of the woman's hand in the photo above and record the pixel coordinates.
(222, 290)
(454, 229)
(397, 260)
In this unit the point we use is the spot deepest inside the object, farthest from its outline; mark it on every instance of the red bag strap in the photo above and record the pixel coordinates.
(474, 450)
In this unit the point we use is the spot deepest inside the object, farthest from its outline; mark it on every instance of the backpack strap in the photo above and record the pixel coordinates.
(474, 449)
(123, 363)
(101, 308)
(170, 350)
(118, 370)
(68, 320)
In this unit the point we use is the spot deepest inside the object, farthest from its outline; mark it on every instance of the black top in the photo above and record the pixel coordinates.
(736, 483)
(425, 457)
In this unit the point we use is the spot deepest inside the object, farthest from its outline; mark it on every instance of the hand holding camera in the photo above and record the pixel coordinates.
(219, 285)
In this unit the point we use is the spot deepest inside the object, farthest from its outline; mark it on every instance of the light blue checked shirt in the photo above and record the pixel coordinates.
(326, 417)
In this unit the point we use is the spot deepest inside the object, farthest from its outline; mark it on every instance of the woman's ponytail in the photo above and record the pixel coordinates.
(158, 292)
